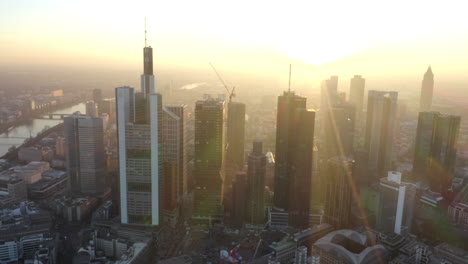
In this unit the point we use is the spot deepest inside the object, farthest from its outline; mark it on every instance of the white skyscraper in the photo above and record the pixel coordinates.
(139, 156)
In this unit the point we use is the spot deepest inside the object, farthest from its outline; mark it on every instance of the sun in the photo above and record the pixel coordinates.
(319, 52)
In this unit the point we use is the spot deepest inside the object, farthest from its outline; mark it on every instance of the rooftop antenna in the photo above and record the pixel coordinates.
(289, 86)
(145, 33)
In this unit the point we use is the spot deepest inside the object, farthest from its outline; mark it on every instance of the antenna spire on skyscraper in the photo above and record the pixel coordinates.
(145, 33)
(289, 86)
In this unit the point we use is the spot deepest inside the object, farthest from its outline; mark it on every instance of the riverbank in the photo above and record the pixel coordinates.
(13, 155)
(28, 118)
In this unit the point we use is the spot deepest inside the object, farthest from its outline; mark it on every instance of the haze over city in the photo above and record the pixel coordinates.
(264, 132)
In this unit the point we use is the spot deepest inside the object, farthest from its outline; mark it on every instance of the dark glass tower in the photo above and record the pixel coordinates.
(427, 90)
(288, 104)
(380, 130)
(209, 157)
(435, 152)
(85, 156)
(256, 187)
(338, 192)
(300, 185)
(235, 137)
(293, 167)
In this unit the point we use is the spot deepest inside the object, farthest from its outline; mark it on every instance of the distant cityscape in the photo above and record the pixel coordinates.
(130, 178)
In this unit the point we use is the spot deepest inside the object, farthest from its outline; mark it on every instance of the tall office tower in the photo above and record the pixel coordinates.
(339, 131)
(235, 139)
(256, 187)
(329, 93)
(239, 195)
(97, 95)
(170, 186)
(436, 149)
(288, 104)
(85, 156)
(329, 98)
(356, 94)
(338, 192)
(92, 109)
(208, 169)
(147, 78)
(294, 150)
(396, 204)
(300, 184)
(380, 129)
(175, 143)
(427, 90)
(140, 166)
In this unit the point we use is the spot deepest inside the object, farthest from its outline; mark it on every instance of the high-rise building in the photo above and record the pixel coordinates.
(256, 184)
(436, 149)
(427, 90)
(97, 95)
(339, 192)
(85, 155)
(208, 169)
(396, 204)
(288, 105)
(380, 130)
(329, 98)
(293, 167)
(302, 149)
(147, 78)
(140, 165)
(235, 139)
(239, 195)
(356, 93)
(60, 146)
(339, 131)
(329, 94)
(175, 143)
(92, 109)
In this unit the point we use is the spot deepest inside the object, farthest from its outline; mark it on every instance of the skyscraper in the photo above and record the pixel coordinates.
(235, 139)
(97, 95)
(294, 149)
(329, 93)
(380, 129)
(396, 204)
(338, 192)
(239, 195)
(435, 151)
(85, 156)
(208, 169)
(329, 98)
(300, 185)
(147, 78)
(256, 184)
(339, 131)
(174, 143)
(356, 95)
(288, 104)
(427, 90)
(92, 109)
(138, 132)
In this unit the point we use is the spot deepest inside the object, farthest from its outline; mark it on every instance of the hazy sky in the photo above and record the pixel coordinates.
(361, 36)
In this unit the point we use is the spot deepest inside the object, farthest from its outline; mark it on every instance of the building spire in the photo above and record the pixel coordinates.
(289, 86)
(145, 33)
(429, 70)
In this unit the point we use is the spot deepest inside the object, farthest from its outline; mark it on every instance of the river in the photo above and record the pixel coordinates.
(17, 135)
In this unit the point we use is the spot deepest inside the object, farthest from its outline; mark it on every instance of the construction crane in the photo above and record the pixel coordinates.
(230, 93)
